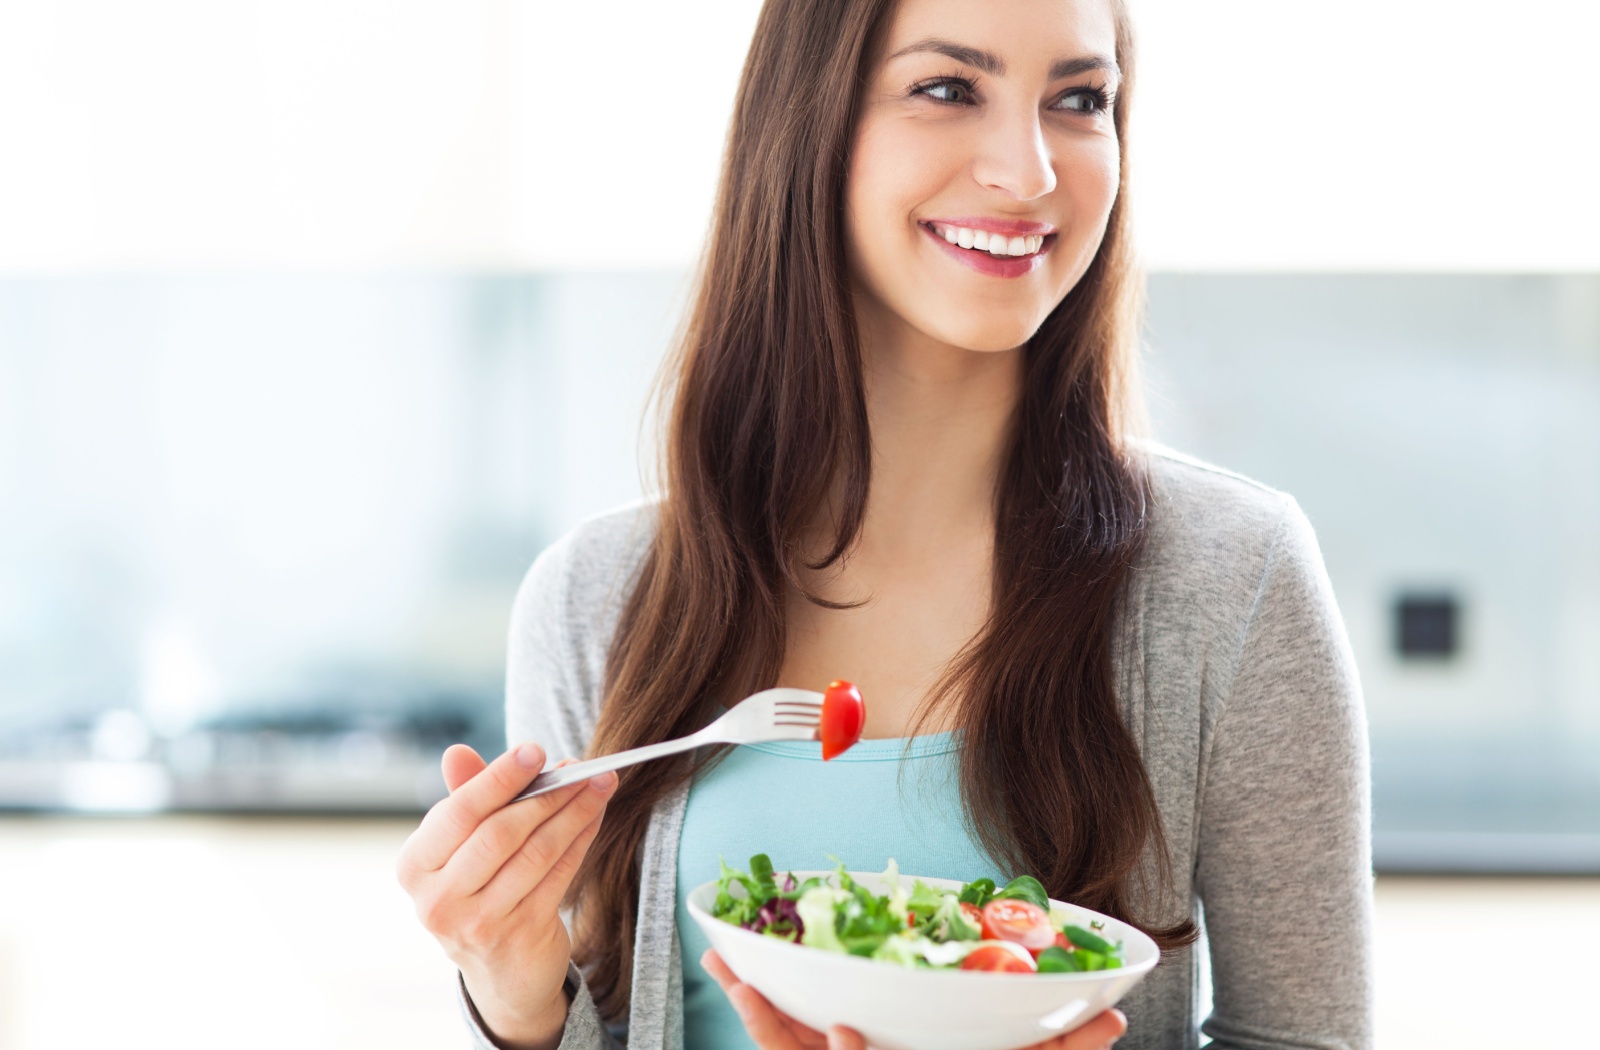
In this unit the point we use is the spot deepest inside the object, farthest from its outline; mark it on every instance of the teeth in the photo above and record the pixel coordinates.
(993, 243)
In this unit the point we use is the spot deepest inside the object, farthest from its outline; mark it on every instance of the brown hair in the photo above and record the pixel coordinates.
(769, 422)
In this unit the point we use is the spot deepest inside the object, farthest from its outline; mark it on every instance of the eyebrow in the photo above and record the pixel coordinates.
(990, 63)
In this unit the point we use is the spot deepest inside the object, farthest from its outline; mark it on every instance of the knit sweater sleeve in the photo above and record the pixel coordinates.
(1283, 867)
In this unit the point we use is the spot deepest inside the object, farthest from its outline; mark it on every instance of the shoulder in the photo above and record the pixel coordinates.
(1217, 539)
(588, 572)
(1206, 515)
(1201, 505)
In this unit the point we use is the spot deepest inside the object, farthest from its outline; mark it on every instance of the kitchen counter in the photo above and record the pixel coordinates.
(266, 933)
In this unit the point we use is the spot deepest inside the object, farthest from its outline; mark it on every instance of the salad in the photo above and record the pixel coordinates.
(1007, 929)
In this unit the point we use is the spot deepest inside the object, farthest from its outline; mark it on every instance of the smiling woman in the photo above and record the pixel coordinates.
(903, 449)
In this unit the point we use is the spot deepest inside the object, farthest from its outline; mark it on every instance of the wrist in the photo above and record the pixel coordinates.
(519, 1027)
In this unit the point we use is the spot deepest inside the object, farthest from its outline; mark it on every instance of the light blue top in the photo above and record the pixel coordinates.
(880, 799)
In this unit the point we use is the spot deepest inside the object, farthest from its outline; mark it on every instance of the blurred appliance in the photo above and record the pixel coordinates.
(271, 760)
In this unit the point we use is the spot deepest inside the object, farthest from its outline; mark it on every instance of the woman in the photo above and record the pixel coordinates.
(901, 452)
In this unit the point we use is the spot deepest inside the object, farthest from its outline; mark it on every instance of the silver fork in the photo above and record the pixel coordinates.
(772, 714)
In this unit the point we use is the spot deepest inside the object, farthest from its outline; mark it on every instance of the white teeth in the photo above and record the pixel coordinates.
(993, 243)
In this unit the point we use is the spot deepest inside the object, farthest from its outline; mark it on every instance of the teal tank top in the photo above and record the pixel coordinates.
(880, 799)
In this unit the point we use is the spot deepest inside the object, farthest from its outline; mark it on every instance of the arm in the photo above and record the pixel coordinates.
(584, 1030)
(1284, 856)
(545, 704)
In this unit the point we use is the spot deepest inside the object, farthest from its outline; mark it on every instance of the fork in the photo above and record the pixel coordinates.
(772, 714)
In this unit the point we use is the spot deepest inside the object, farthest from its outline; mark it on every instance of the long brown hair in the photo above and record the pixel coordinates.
(769, 422)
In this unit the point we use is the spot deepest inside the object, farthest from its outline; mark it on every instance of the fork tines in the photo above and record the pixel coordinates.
(796, 713)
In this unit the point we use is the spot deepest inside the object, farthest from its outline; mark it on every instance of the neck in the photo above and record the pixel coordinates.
(940, 418)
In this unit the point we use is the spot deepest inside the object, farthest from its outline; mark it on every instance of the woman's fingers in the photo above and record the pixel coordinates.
(474, 831)
(766, 1025)
(718, 969)
(460, 764)
(842, 1038)
(453, 820)
(770, 1028)
(553, 852)
(502, 834)
(1098, 1033)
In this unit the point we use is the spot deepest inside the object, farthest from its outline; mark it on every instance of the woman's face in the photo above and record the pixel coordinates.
(984, 166)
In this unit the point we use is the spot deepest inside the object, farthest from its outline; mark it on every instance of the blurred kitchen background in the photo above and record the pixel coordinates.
(319, 320)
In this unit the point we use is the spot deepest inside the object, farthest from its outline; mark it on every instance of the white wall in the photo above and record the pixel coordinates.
(1367, 134)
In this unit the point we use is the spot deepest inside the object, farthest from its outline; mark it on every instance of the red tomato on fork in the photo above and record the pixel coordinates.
(844, 714)
(996, 959)
(1019, 922)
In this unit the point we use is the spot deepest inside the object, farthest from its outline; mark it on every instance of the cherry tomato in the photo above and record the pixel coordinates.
(1018, 922)
(843, 716)
(972, 915)
(995, 958)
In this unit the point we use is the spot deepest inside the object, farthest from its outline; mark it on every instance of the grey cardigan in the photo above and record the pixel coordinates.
(1237, 680)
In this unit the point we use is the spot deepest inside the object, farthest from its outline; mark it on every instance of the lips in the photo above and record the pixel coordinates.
(993, 247)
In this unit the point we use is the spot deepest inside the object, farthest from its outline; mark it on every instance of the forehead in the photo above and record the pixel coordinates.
(1017, 30)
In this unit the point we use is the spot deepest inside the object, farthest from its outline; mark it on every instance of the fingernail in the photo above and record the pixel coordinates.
(704, 956)
(530, 756)
(603, 782)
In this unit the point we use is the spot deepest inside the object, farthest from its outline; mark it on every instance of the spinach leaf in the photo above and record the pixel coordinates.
(978, 892)
(1026, 888)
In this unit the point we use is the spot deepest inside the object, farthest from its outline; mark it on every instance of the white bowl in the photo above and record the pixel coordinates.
(898, 1008)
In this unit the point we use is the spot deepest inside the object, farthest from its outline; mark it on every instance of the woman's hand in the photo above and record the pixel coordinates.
(487, 881)
(774, 1030)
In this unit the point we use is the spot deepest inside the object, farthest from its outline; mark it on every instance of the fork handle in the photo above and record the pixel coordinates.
(561, 777)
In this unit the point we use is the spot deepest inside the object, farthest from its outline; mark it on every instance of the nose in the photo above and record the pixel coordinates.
(1014, 157)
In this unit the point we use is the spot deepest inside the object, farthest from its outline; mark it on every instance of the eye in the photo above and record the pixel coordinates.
(1089, 100)
(952, 91)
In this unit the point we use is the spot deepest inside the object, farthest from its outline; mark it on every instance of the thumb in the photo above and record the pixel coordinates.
(460, 764)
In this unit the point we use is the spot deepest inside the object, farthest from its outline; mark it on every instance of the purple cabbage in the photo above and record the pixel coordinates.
(778, 915)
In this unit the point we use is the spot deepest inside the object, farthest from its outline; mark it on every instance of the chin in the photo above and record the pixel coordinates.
(985, 330)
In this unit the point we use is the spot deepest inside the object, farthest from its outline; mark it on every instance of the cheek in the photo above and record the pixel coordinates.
(1107, 174)
(893, 169)
(1088, 176)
